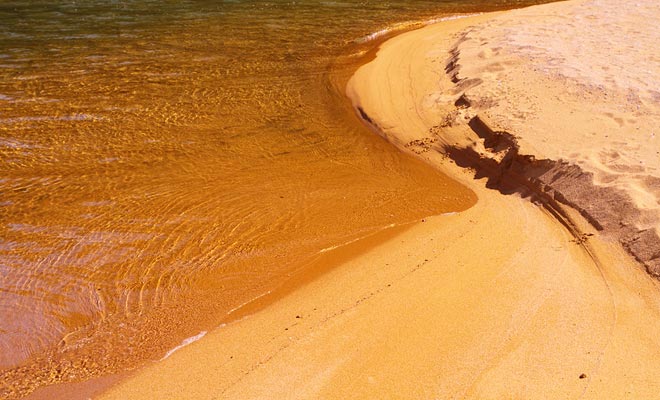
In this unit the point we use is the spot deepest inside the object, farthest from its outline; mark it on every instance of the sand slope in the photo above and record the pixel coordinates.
(499, 301)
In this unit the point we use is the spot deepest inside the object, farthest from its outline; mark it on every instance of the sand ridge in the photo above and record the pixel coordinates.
(577, 83)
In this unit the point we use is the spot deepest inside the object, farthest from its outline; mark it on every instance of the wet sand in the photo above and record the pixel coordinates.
(456, 306)
(528, 294)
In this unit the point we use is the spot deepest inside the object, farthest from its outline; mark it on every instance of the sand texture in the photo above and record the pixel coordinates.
(520, 296)
(577, 87)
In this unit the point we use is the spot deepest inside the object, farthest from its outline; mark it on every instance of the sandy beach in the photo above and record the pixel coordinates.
(543, 289)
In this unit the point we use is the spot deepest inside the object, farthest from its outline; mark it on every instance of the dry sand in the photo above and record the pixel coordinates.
(578, 83)
(517, 297)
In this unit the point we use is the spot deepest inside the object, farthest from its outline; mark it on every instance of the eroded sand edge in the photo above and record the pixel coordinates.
(559, 103)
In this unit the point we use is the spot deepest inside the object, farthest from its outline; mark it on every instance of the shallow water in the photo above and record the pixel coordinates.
(163, 162)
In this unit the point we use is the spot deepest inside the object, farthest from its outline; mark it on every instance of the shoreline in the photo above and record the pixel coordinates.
(314, 268)
(248, 164)
(494, 301)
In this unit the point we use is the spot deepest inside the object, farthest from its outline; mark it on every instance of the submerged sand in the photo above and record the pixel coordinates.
(527, 294)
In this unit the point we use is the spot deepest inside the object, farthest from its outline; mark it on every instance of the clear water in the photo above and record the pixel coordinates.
(162, 162)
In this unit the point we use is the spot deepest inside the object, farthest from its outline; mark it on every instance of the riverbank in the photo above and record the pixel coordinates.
(510, 298)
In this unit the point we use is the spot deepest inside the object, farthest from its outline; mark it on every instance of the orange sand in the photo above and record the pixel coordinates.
(499, 301)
